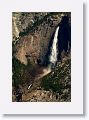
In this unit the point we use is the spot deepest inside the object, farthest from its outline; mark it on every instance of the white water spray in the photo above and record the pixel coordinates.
(53, 55)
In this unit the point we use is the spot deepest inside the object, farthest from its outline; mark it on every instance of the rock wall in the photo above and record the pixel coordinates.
(32, 33)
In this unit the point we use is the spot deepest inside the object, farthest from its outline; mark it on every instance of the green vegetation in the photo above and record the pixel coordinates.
(20, 72)
(57, 81)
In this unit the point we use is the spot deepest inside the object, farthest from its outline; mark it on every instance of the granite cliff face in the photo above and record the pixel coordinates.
(35, 35)
(32, 33)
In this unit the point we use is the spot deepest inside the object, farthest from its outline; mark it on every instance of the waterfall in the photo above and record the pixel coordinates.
(53, 54)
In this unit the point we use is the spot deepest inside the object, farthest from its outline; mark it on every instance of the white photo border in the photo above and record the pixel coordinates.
(76, 104)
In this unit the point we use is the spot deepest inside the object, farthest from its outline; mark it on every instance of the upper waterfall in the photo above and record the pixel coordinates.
(53, 54)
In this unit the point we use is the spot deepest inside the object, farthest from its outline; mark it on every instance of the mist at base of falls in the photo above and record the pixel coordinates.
(59, 42)
(52, 56)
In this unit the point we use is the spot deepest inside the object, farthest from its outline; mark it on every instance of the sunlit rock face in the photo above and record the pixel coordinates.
(32, 33)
